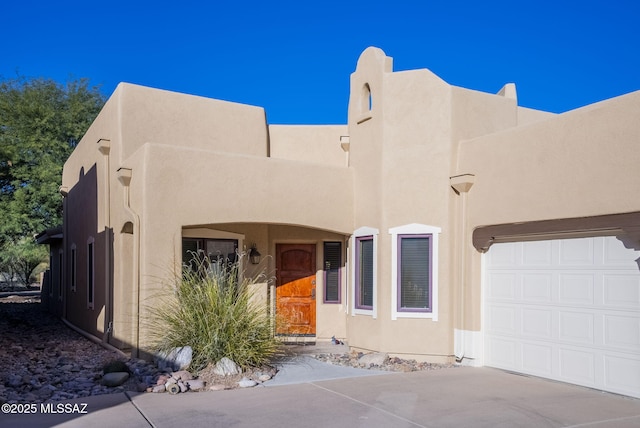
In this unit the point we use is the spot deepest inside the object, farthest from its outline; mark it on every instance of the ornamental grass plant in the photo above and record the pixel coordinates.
(213, 308)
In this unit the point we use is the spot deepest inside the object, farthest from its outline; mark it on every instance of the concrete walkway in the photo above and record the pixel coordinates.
(456, 397)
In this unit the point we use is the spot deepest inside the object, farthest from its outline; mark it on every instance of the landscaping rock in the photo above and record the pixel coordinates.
(247, 383)
(159, 388)
(115, 379)
(195, 384)
(51, 362)
(182, 375)
(373, 359)
(226, 367)
(176, 359)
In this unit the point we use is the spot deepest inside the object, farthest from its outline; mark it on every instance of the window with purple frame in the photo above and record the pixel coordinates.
(414, 273)
(364, 272)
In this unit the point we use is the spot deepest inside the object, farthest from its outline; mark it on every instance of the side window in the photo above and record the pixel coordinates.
(73, 268)
(332, 272)
(90, 272)
(414, 271)
(51, 270)
(364, 272)
(60, 273)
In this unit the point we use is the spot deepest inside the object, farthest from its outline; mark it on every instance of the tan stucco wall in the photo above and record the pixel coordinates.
(401, 156)
(403, 152)
(308, 143)
(165, 117)
(200, 187)
(580, 163)
(527, 116)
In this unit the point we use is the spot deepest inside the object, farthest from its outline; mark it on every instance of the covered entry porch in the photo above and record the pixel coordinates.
(298, 272)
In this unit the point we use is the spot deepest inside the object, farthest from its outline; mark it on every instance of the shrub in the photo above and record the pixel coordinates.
(210, 310)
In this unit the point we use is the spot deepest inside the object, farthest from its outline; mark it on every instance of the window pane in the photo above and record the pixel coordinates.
(332, 263)
(366, 273)
(90, 273)
(60, 279)
(414, 273)
(73, 269)
(222, 250)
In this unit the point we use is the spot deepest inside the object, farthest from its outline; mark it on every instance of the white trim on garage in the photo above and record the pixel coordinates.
(567, 310)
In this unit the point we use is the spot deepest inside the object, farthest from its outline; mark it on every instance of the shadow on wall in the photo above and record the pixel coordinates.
(79, 274)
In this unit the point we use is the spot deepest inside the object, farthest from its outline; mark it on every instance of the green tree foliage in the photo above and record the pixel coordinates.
(41, 121)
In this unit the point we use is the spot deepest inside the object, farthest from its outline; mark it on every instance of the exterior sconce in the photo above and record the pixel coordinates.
(254, 255)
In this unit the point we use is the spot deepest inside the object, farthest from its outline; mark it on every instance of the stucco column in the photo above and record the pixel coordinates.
(462, 184)
(124, 177)
(104, 147)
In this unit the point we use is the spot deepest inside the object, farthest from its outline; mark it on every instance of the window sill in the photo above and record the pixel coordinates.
(418, 315)
(365, 312)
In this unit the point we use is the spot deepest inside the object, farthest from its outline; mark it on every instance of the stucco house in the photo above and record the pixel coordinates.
(440, 223)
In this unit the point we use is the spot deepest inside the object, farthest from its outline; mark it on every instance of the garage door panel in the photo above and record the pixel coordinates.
(577, 328)
(537, 253)
(576, 289)
(503, 352)
(621, 374)
(572, 314)
(576, 252)
(505, 286)
(577, 366)
(622, 332)
(622, 291)
(536, 287)
(615, 254)
(505, 255)
(537, 358)
(503, 320)
(537, 323)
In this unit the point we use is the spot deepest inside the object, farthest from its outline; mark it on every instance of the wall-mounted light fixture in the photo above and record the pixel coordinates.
(254, 255)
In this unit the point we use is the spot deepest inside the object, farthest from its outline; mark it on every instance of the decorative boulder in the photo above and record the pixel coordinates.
(115, 378)
(177, 359)
(374, 359)
(226, 367)
(247, 383)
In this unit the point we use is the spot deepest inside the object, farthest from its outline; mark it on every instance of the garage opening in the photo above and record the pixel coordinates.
(565, 309)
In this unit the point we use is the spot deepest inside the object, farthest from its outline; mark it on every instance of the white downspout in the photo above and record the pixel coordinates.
(124, 176)
(64, 191)
(104, 146)
(462, 184)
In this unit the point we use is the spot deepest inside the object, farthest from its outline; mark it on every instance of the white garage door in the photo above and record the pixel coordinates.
(565, 309)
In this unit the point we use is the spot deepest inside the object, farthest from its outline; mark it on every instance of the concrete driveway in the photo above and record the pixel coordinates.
(456, 397)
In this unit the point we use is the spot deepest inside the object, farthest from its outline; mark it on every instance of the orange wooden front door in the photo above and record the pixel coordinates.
(296, 289)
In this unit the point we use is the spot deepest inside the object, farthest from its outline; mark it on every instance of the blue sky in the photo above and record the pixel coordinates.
(294, 58)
